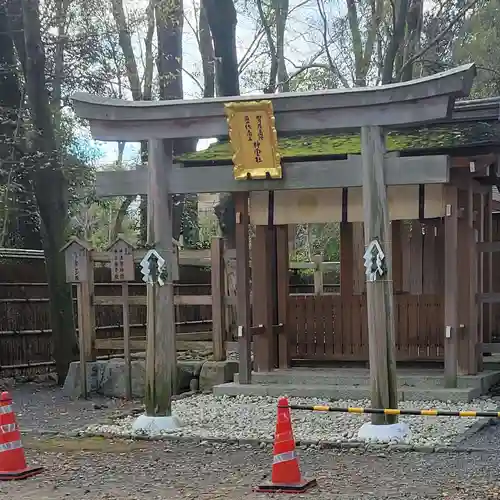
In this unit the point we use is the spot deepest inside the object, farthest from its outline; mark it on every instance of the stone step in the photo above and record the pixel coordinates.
(356, 378)
(343, 392)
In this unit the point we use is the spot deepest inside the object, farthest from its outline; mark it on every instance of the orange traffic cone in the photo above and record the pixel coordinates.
(12, 460)
(285, 477)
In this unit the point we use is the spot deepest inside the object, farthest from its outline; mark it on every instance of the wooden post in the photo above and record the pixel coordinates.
(81, 341)
(243, 287)
(122, 270)
(263, 298)
(479, 210)
(161, 354)
(467, 357)
(126, 341)
(451, 324)
(488, 268)
(218, 300)
(318, 275)
(283, 281)
(379, 293)
(79, 270)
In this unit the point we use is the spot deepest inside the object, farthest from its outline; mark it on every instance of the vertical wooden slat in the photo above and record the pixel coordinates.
(310, 327)
(347, 262)
(301, 327)
(429, 263)
(405, 248)
(328, 317)
(362, 332)
(416, 258)
(218, 294)
(338, 327)
(412, 312)
(358, 251)
(282, 277)
(402, 315)
(397, 256)
(292, 327)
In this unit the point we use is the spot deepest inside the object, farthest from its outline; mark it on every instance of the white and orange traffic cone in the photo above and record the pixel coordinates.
(285, 476)
(12, 460)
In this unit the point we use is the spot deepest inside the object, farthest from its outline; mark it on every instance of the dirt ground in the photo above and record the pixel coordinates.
(99, 469)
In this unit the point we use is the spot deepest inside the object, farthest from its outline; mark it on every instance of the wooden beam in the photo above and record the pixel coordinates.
(243, 287)
(161, 357)
(379, 293)
(419, 100)
(451, 322)
(298, 175)
(141, 300)
(481, 161)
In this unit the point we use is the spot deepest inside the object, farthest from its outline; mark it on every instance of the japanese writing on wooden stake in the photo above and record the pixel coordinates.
(122, 260)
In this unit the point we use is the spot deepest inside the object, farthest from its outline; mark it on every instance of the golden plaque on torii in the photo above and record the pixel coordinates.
(254, 141)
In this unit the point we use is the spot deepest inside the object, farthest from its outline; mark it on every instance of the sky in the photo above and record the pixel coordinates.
(299, 43)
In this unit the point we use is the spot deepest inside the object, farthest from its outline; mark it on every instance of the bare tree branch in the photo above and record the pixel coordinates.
(439, 36)
(333, 67)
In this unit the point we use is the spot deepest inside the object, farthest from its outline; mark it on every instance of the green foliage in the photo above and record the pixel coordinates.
(480, 42)
(317, 239)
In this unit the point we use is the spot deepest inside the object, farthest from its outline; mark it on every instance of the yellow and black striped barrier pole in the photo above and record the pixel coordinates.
(395, 411)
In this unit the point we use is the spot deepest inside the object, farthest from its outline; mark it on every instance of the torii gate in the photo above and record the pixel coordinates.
(369, 109)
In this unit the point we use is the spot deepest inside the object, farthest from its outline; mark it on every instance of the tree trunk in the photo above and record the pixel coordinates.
(282, 8)
(222, 19)
(206, 46)
(51, 192)
(396, 39)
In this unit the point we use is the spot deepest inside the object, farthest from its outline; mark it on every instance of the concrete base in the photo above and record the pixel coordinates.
(394, 433)
(342, 392)
(155, 426)
(354, 383)
(217, 372)
(107, 377)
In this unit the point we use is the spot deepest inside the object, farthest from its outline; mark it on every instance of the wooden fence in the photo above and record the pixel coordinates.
(25, 331)
(332, 327)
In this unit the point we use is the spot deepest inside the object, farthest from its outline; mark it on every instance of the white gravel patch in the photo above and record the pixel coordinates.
(253, 417)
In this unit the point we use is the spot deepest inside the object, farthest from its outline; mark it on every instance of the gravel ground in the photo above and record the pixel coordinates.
(105, 469)
(246, 417)
(43, 407)
(99, 470)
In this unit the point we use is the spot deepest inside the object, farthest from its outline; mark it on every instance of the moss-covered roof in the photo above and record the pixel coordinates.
(424, 139)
